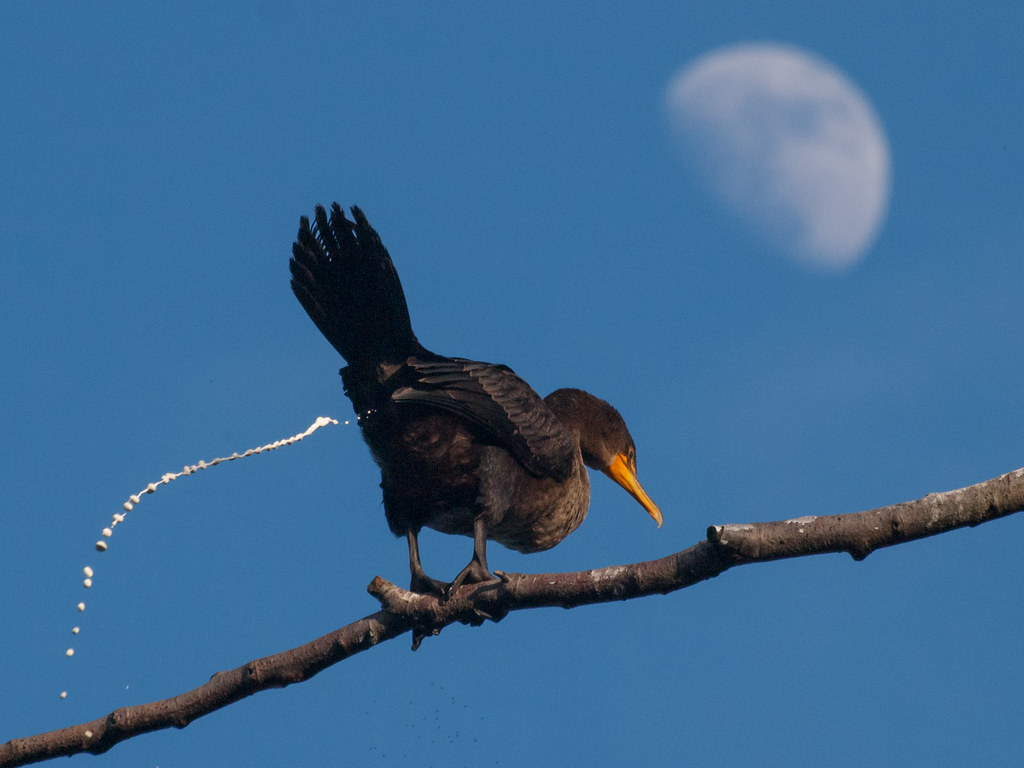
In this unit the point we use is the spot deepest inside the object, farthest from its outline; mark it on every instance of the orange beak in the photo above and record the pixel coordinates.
(623, 472)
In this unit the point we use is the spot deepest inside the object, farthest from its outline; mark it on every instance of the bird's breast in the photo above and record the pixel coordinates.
(542, 511)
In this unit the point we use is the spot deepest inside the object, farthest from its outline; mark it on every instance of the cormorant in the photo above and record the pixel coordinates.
(463, 447)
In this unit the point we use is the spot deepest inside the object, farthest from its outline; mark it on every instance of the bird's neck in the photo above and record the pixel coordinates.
(580, 412)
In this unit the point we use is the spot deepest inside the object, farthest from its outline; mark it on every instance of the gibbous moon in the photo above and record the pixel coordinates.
(789, 145)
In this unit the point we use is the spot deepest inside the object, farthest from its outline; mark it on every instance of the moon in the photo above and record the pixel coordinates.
(788, 145)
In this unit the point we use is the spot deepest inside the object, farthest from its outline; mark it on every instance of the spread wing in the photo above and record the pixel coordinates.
(500, 403)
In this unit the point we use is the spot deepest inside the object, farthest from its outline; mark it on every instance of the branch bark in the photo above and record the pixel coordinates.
(727, 546)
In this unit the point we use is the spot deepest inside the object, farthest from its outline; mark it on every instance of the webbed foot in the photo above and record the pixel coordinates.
(474, 573)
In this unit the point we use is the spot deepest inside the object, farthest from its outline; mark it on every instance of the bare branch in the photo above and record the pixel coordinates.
(858, 534)
(861, 534)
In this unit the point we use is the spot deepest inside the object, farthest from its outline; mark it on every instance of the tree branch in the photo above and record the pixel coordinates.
(857, 534)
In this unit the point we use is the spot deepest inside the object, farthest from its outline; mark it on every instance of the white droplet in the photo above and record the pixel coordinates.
(69, 652)
(81, 606)
(75, 630)
(87, 571)
(86, 583)
(88, 734)
(63, 694)
(107, 532)
(101, 546)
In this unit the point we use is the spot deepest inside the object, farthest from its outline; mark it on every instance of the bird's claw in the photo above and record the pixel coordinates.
(422, 584)
(474, 573)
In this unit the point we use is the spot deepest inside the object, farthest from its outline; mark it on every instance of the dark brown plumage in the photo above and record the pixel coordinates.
(463, 447)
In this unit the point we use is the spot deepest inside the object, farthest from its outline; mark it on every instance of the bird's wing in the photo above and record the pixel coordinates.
(500, 403)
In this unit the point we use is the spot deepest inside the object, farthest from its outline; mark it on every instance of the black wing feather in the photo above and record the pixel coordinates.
(504, 406)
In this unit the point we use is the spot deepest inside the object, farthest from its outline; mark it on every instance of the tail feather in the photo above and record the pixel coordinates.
(345, 280)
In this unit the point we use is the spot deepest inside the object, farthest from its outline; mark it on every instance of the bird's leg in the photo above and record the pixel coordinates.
(420, 582)
(476, 571)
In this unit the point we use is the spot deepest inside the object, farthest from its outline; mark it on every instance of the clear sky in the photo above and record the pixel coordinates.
(520, 166)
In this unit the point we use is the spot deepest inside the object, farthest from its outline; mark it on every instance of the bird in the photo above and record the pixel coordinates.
(464, 447)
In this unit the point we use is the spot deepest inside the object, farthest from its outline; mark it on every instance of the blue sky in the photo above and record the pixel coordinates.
(519, 165)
